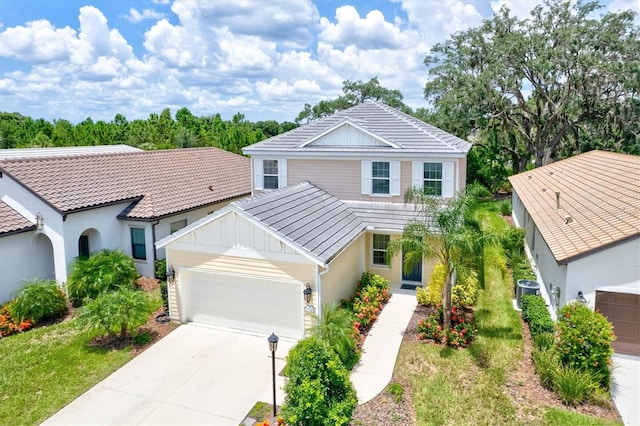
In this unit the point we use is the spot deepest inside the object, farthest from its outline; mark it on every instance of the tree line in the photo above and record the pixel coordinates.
(159, 131)
(524, 92)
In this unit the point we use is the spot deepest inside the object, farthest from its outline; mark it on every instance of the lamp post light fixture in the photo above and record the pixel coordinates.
(273, 347)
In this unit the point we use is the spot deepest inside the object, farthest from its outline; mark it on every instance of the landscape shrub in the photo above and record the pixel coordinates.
(547, 364)
(432, 295)
(574, 386)
(160, 269)
(512, 241)
(396, 390)
(103, 271)
(9, 325)
(505, 208)
(372, 292)
(465, 292)
(318, 389)
(584, 341)
(38, 300)
(536, 314)
(461, 333)
(338, 331)
(544, 341)
(164, 293)
(115, 312)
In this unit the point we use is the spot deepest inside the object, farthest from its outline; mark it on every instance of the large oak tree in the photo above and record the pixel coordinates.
(560, 82)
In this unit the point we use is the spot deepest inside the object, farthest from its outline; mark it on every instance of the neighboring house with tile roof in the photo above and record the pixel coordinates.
(582, 221)
(327, 198)
(89, 201)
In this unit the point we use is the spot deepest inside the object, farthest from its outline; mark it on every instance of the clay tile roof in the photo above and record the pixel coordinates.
(599, 201)
(12, 221)
(157, 183)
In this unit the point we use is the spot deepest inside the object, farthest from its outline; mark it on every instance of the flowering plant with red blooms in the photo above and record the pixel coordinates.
(9, 326)
(460, 334)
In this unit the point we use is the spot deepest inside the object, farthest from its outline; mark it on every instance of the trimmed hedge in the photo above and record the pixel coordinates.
(535, 312)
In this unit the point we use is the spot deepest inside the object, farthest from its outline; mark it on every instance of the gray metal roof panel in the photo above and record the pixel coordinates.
(307, 216)
(384, 216)
(411, 134)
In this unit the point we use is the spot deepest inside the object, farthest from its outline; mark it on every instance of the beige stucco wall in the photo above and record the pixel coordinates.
(344, 272)
(393, 273)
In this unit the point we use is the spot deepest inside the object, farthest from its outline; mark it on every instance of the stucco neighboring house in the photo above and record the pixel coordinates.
(582, 221)
(71, 202)
(327, 198)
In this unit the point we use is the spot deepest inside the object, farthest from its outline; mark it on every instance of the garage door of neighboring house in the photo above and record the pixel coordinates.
(248, 303)
(623, 311)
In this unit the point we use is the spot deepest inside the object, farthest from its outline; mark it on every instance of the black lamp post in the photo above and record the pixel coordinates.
(273, 346)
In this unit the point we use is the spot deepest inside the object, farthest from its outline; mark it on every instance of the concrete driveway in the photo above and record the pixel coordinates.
(625, 389)
(195, 375)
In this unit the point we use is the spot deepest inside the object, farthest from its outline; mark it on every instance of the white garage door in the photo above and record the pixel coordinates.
(245, 302)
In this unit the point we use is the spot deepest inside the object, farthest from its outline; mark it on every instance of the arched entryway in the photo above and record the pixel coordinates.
(41, 263)
(89, 242)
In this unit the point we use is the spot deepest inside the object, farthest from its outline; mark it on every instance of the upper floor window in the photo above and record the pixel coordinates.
(177, 225)
(379, 255)
(269, 173)
(138, 244)
(432, 175)
(381, 177)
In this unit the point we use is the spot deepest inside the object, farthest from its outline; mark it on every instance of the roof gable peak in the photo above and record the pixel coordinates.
(363, 137)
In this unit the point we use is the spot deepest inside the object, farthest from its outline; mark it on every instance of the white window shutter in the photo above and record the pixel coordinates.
(282, 173)
(258, 181)
(394, 174)
(447, 179)
(366, 177)
(418, 175)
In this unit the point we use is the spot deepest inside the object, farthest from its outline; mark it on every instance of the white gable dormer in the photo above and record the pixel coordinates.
(348, 134)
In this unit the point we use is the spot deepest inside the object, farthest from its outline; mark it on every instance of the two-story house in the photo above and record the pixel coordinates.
(327, 198)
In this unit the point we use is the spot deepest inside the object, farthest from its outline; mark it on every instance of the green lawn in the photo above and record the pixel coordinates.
(466, 387)
(44, 369)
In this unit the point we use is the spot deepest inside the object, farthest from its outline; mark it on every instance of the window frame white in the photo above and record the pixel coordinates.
(384, 251)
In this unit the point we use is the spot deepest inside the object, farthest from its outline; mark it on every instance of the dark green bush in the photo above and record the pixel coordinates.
(164, 293)
(574, 386)
(160, 267)
(512, 240)
(536, 314)
(505, 208)
(115, 312)
(103, 271)
(318, 389)
(38, 300)
(547, 365)
(543, 341)
(584, 341)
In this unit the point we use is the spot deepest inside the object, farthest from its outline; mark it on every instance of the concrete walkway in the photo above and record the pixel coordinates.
(380, 350)
(625, 389)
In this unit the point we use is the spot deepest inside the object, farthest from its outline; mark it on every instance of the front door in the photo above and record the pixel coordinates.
(415, 275)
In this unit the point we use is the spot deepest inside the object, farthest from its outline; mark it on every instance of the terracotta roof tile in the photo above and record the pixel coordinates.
(12, 221)
(599, 192)
(158, 183)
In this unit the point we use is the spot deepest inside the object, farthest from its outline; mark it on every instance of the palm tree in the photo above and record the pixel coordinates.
(335, 330)
(445, 232)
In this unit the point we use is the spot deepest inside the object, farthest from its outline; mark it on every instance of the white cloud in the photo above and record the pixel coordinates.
(136, 16)
(372, 32)
(37, 41)
(621, 5)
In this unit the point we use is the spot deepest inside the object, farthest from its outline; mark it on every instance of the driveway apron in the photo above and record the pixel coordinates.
(195, 375)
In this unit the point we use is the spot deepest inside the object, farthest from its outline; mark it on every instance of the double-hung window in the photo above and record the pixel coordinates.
(138, 245)
(380, 242)
(432, 175)
(270, 174)
(380, 177)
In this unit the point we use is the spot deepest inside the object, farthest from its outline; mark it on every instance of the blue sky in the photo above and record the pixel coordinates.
(95, 58)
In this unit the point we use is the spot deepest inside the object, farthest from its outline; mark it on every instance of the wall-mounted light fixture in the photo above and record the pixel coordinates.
(39, 222)
(581, 298)
(307, 299)
(171, 275)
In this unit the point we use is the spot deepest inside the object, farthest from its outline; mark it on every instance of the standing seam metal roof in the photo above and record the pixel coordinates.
(411, 134)
(307, 216)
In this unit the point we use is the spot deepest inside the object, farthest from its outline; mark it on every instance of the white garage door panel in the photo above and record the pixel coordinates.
(247, 303)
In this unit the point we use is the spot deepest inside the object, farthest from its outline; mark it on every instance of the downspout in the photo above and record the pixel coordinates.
(153, 237)
(319, 285)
